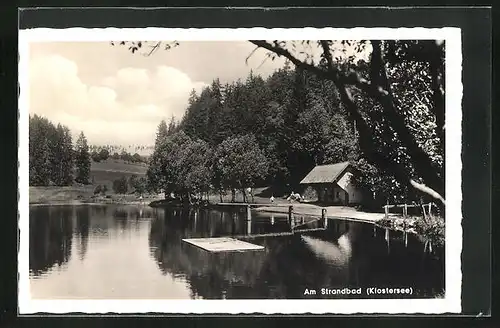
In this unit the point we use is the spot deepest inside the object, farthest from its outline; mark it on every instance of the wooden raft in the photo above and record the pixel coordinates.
(223, 244)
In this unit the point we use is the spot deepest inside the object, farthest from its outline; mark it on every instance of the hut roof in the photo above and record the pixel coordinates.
(325, 173)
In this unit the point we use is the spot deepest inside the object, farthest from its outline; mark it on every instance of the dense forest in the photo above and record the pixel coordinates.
(54, 160)
(394, 97)
(256, 132)
(273, 131)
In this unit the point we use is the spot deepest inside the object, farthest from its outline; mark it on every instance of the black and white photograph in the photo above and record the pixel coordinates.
(240, 170)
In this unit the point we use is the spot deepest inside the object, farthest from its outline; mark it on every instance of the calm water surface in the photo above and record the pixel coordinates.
(116, 251)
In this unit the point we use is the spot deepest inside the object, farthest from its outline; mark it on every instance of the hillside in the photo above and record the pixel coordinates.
(105, 172)
(102, 173)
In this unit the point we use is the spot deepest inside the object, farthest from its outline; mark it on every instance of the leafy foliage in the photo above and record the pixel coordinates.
(240, 162)
(376, 96)
(120, 186)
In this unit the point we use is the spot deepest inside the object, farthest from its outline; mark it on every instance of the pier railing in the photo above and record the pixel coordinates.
(426, 209)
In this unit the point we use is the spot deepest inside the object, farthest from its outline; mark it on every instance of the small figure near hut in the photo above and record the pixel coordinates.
(294, 197)
(272, 199)
(250, 192)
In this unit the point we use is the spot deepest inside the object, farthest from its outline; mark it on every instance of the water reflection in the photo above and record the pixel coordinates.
(82, 230)
(50, 239)
(345, 254)
(111, 251)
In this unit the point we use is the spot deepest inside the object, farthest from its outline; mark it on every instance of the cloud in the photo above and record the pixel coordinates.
(124, 107)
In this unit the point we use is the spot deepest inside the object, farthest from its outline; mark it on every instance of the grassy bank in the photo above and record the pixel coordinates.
(82, 194)
(428, 229)
(105, 172)
(101, 173)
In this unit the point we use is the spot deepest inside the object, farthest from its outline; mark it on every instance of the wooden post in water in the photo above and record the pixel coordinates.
(323, 217)
(290, 215)
(386, 208)
(405, 214)
(249, 227)
(249, 220)
(249, 213)
(387, 239)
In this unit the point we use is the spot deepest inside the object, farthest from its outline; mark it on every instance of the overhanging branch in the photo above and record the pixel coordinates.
(429, 191)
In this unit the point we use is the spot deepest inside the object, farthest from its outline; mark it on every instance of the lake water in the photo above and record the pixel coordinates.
(137, 252)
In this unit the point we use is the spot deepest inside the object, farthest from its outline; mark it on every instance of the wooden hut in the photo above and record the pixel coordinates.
(333, 184)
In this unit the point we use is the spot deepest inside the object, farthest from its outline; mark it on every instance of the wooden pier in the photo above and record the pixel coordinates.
(426, 209)
(234, 244)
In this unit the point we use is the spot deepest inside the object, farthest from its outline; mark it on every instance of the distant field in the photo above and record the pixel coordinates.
(105, 172)
(102, 173)
(119, 165)
(59, 194)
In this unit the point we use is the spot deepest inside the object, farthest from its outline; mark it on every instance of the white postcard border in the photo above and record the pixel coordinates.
(451, 303)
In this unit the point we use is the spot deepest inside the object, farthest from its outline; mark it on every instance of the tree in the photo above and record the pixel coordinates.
(136, 158)
(39, 174)
(241, 163)
(132, 181)
(172, 126)
(166, 171)
(82, 160)
(120, 186)
(67, 160)
(140, 185)
(162, 132)
(50, 153)
(197, 159)
(125, 156)
(103, 154)
(94, 155)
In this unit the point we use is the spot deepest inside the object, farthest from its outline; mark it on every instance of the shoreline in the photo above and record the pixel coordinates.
(74, 196)
(76, 203)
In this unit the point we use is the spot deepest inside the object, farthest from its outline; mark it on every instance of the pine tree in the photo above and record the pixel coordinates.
(82, 160)
(172, 126)
(39, 163)
(55, 154)
(67, 160)
(161, 133)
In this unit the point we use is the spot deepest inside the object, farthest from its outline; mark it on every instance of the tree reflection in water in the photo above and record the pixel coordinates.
(51, 232)
(82, 230)
(346, 254)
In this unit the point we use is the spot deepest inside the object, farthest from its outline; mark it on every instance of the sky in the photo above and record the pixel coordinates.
(116, 97)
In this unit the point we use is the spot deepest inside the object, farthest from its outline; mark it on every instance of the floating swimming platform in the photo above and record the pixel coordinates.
(223, 244)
